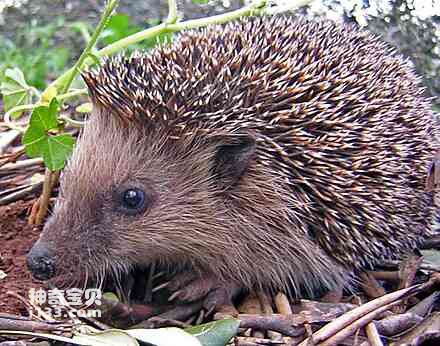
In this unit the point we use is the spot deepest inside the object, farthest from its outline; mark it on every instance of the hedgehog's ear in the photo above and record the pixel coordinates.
(232, 158)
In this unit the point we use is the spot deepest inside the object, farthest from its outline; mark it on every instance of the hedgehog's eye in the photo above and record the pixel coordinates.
(133, 200)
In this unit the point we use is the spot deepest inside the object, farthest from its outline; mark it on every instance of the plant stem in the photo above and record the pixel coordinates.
(73, 93)
(74, 123)
(101, 25)
(172, 12)
(256, 8)
(50, 180)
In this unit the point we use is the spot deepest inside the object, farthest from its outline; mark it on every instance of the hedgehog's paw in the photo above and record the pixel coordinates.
(189, 287)
(216, 296)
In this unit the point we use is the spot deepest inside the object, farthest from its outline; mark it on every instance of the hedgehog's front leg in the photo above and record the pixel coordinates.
(187, 287)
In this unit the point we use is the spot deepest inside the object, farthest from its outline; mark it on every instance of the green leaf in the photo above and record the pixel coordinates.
(217, 333)
(164, 337)
(118, 27)
(110, 296)
(45, 336)
(38, 142)
(33, 139)
(57, 151)
(45, 116)
(15, 90)
(15, 75)
(110, 337)
(200, 2)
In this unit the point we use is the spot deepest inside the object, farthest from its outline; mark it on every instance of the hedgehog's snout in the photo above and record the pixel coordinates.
(40, 261)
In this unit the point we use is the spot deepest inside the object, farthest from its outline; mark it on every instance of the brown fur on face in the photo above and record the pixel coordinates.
(274, 152)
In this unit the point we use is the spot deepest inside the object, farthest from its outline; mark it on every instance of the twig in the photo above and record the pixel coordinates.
(291, 325)
(19, 192)
(356, 325)
(30, 306)
(384, 275)
(373, 335)
(7, 138)
(252, 341)
(396, 324)
(266, 307)
(33, 326)
(282, 304)
(43, 201)
(20, 165)
(350, 317)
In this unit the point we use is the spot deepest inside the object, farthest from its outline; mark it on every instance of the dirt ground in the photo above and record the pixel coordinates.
(16, 238)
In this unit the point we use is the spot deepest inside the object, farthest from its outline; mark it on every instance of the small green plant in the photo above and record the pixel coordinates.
(44, 137)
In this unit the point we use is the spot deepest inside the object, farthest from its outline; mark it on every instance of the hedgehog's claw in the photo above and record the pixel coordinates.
(189, 287)
(220, 300)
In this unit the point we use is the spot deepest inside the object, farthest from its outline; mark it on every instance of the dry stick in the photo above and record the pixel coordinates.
(353, 327)
(7, 138)
(32, 326)
(50, 180)
(20, 193)
(291, 325)
(266, 306)
(11, 157)
(252, 305)
(43, 201)
(252, 341)
(34, 211)
(42, 315)
(282, 304)
(424, 266)
(20, 165)
(385, 275)
(373, 335)
(424, 307)
(396, 324)
(343, 321)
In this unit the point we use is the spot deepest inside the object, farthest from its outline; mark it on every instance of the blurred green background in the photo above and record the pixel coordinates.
(43, 37)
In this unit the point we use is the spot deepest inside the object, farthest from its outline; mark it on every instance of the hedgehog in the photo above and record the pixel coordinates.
(269, 153)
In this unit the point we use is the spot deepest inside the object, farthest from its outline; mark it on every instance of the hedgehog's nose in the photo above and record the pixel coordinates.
(40, 263)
